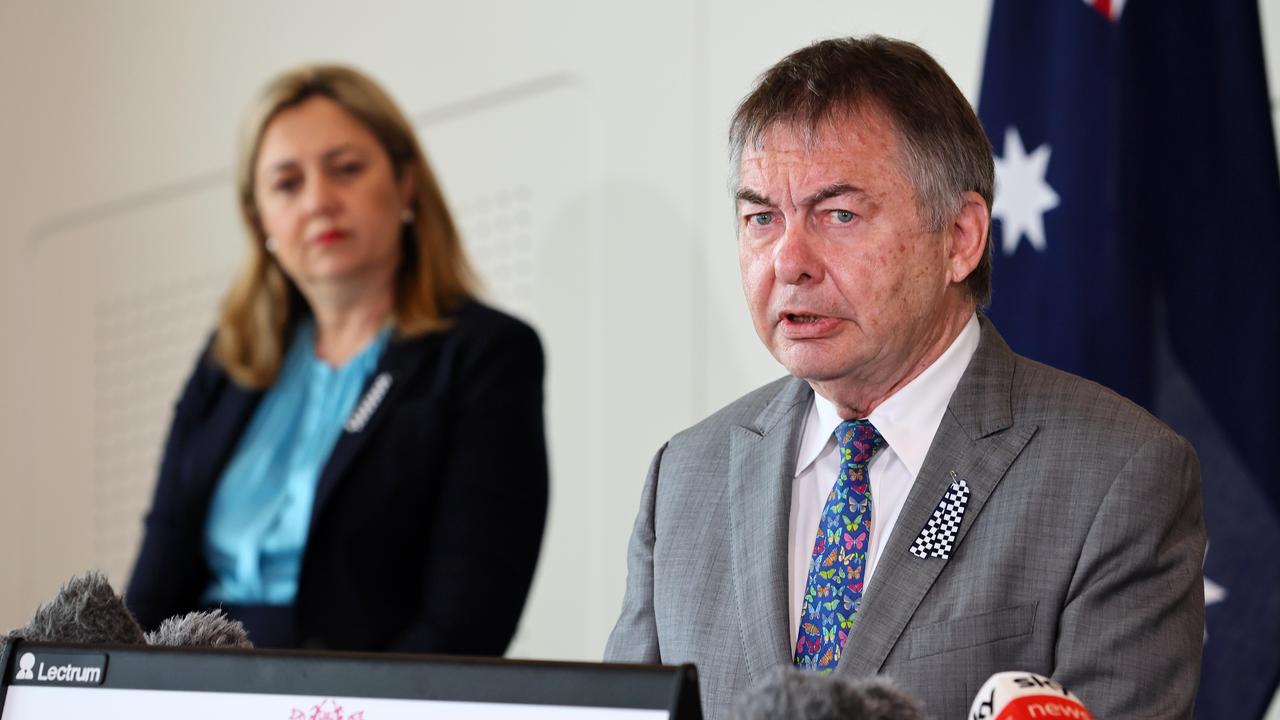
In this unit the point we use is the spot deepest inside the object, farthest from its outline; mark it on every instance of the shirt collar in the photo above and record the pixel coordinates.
(909, 418)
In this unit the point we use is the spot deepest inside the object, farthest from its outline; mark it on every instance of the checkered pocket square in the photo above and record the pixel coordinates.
(939, 534)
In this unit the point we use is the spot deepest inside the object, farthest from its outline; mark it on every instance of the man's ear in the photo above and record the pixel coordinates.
(968, 237)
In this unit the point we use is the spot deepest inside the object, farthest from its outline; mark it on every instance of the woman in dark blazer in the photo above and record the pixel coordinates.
(358, 460)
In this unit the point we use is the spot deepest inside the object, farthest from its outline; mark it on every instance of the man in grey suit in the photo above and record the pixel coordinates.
(915, 499)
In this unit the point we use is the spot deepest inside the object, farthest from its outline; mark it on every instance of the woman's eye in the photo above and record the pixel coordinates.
(287, 185)
(350, 169)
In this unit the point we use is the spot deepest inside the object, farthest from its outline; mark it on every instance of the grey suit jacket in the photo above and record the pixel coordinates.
(1079, 555)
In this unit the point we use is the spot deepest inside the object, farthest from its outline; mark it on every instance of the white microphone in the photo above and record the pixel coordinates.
(1025, 695)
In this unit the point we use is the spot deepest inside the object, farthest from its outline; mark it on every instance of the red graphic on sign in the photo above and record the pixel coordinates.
(327, 710)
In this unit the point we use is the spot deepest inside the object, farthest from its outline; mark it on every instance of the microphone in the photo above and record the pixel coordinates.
(201, 629)
(1024, 695)
(87, 611)
(790, 694)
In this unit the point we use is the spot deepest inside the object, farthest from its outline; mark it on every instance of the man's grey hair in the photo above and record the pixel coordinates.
(790, 694)
(945, 151)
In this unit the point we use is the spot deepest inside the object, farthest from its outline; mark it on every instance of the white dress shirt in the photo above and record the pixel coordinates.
(907, 420)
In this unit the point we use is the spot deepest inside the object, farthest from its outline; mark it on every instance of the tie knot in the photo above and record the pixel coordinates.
(858, 441)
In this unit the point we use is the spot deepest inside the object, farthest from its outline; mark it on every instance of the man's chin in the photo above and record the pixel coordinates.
(813, 370)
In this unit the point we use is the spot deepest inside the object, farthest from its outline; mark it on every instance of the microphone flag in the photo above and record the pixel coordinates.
(1137, 243)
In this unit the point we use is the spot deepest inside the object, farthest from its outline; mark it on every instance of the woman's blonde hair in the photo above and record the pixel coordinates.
(262, 305)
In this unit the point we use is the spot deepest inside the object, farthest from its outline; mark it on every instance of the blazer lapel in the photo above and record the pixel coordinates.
(978, 441)
(399, 362)
(762, 469)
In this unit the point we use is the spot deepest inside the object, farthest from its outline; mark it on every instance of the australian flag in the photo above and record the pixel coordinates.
(1137, 242)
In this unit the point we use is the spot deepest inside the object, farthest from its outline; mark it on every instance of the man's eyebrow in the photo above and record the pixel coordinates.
(748, 195)
(833, 190)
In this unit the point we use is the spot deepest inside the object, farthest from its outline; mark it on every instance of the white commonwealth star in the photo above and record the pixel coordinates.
(1022, 195)
(1213, 592)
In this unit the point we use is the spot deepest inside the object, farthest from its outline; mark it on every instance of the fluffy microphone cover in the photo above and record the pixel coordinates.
(86, 610)
(201, 629)
(792, 694)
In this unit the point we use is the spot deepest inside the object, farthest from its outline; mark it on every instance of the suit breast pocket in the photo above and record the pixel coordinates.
(970, 631)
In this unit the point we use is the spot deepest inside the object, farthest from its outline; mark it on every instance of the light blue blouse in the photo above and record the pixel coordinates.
(257, 525)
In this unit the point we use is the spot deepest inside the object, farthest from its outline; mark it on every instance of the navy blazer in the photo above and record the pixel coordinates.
(428, 517)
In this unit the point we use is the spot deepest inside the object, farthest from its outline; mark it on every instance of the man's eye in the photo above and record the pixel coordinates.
(763, 218)
(842, 216)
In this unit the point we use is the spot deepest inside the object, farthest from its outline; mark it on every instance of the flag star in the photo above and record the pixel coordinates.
(1213, 592)
(1022, 194)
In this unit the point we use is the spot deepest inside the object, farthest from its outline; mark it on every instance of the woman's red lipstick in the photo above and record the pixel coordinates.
(328, 237)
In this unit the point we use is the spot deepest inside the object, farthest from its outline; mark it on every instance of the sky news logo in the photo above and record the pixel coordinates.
(68, 669)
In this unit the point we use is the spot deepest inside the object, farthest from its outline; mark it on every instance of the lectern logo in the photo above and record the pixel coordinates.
(49, 668)
(25, 663)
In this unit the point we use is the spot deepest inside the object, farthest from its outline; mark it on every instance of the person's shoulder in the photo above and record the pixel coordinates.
(1055, 400)
(474, 313)
(701, 454)
(476, 321)
(479, 345)
(748, 411)
(475, 329)
(206, 385)
(208, 376)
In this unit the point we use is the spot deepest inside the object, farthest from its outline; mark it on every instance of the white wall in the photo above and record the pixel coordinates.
(581, 144)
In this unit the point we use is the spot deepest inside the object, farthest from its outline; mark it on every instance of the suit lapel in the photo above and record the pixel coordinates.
(762, 469)
(978, 440)
(383, 390)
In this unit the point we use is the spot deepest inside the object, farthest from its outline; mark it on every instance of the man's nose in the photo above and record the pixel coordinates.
(795, 257)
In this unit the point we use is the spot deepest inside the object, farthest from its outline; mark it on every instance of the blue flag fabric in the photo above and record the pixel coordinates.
(1137, 243)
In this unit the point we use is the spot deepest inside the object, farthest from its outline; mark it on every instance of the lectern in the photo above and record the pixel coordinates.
(42, 681)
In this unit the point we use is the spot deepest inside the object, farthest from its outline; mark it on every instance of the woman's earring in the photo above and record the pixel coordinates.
(407, 216)
(270, 244)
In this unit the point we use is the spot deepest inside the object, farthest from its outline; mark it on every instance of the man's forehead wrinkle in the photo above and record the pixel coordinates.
(794, 176)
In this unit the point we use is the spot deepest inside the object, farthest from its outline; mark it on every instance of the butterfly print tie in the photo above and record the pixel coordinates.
(833, 589)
